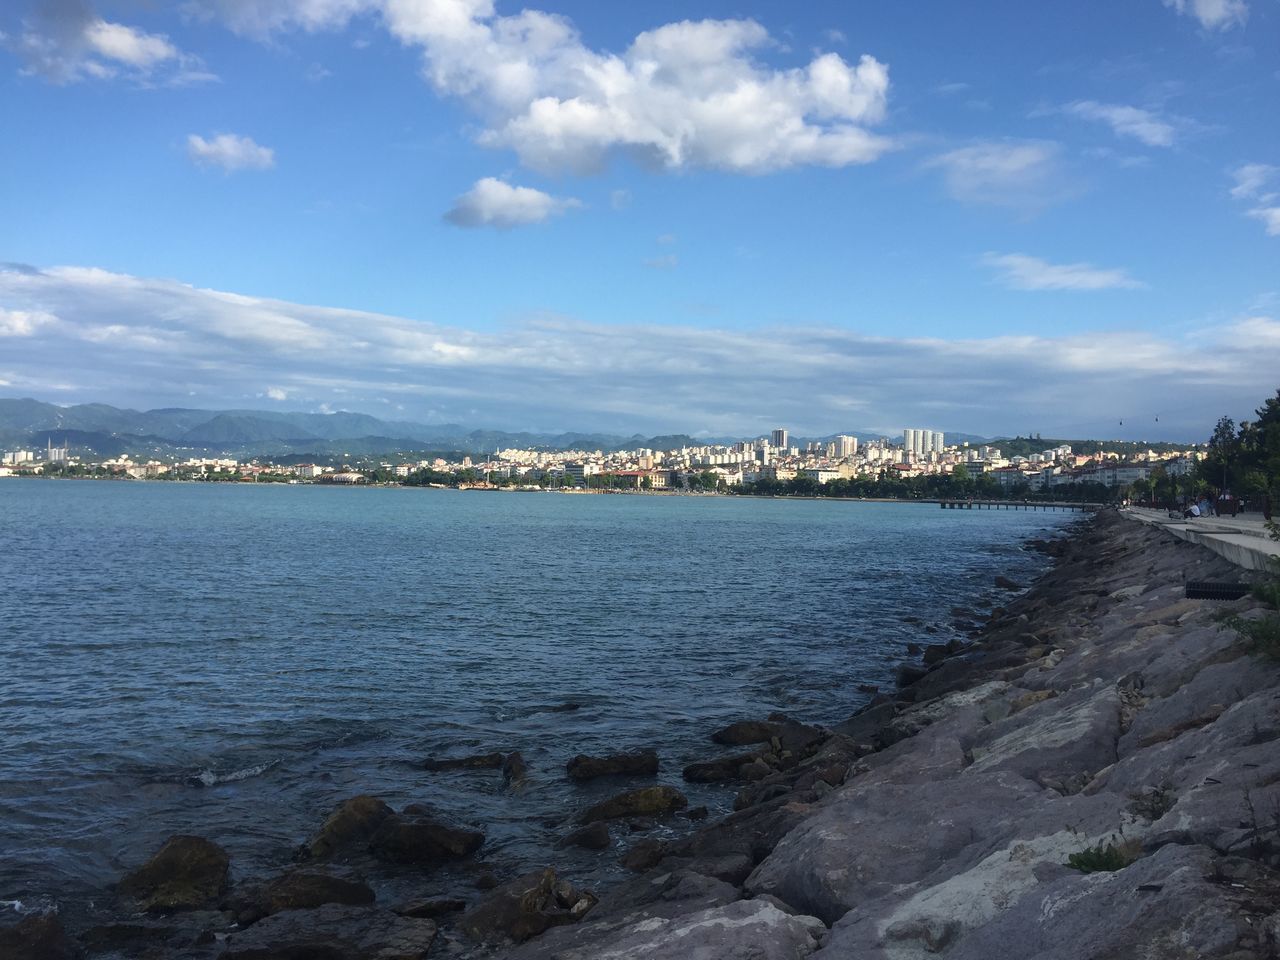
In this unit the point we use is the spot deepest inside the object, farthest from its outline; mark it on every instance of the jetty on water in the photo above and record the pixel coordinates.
(1016, 505)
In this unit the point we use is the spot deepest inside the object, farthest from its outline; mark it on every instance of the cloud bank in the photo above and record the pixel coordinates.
(161, 342)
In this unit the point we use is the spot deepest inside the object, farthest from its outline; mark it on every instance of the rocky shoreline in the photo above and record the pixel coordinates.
(1096, 775)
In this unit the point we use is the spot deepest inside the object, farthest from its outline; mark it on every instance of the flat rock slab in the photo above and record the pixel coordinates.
(1161, 906)
(333, 933)
(743, 930)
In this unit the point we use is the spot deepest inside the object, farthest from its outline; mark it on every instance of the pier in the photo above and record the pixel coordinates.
(1016, 505)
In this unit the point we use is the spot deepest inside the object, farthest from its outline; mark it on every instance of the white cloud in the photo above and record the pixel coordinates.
(66, 42)
(231, 152)
(23, 323)
(1251, 179)
(126, 45)
(620, 199)
(1126, 121)
(1251, 184)
(1270, 217)
(149, 342)
(1022, 272)
(496, 203)
(1024, 174)
(1213, 14)
(276, 393)
(687, 94)
(667, 261)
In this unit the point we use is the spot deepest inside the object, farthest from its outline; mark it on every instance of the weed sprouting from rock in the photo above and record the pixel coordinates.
(1108, 858)
(1154, 803)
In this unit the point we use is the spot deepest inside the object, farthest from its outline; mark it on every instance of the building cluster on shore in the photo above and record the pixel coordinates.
(708, 467)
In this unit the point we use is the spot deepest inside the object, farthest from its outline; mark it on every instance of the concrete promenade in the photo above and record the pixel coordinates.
(1244, 540)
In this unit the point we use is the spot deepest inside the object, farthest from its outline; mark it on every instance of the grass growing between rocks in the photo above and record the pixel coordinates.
(1104, 859)
(1262, 634)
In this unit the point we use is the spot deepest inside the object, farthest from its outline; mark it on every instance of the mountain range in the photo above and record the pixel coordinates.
(106, 431)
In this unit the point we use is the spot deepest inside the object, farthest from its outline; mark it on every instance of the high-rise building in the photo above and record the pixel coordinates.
(779, 438)
(846, 446)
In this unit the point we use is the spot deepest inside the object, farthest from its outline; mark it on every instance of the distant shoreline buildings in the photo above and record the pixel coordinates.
(921, 452)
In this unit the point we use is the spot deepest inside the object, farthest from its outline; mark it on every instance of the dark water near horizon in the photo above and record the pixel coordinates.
(234, 660)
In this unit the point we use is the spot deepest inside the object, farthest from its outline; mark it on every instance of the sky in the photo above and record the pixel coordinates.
(710, 218)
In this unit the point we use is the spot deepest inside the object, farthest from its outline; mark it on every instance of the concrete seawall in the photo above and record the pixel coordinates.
(1102, 720)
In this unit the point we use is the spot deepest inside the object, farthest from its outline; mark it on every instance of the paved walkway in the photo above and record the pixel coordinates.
(1244, 540)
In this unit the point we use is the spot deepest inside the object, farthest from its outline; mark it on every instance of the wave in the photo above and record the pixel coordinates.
(211, 778)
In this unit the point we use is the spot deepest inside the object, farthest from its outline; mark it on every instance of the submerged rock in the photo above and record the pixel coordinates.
(423, 842)
(594, 836)
(301, 889)
(648, 801)
(525, 907)
(514, 770)
(37, 937)
(719, 770)
(354, 821)
(477, 761)
(333, 933)
(644, 855)
(431, 909)
(632, 763)
(184, 874)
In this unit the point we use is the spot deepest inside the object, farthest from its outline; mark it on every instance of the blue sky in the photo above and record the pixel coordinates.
(708, 218)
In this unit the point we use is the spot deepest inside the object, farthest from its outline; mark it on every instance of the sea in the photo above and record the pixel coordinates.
(233, 660)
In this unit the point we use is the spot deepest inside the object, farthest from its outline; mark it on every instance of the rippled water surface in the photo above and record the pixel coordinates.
(234, 660)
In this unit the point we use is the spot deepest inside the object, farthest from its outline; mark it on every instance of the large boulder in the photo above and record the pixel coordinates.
(354, 822)
(646, 802)
(185, 874)
(422, 841)
(333, 932)
(37, 937)
(632, 763)
(525, 907)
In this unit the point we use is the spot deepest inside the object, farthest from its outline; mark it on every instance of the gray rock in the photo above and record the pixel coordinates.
(333, 933)
(869, 839)
(1066, 740)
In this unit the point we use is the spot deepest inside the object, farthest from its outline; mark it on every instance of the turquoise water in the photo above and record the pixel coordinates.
(233, 660)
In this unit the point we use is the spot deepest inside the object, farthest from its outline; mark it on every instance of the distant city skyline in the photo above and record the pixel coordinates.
(647, 218)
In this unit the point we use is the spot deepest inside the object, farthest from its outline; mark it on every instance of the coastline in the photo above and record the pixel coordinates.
(1006, 740)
